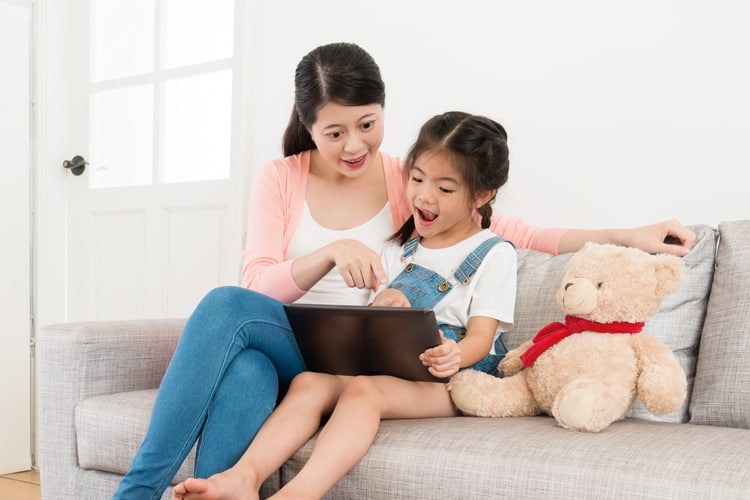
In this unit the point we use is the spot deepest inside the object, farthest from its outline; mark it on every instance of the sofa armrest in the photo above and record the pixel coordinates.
(79, 360)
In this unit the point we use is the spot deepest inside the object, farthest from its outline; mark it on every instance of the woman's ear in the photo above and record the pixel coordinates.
(484, 197)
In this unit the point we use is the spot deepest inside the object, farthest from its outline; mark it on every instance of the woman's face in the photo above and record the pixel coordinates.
(348, 137)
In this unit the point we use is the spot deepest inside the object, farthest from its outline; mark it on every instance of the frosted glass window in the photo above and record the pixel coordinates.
(197, 31)
(122, 34)
(197, 127)
(121, 137)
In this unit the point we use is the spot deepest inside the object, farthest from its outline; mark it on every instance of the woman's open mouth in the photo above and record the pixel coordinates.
(355, 162)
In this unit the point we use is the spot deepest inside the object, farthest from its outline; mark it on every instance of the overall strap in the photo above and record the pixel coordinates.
(471, 263)
(410, 247)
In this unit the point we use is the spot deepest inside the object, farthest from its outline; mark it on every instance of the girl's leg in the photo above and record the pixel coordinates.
(295, 420)
(354, 423)
(226, 322)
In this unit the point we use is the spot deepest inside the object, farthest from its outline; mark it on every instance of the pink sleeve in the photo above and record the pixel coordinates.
(522, 235)
(396, 186)
(265, 268)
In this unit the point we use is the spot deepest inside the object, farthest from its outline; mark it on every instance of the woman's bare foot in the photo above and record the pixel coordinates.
(227, 485)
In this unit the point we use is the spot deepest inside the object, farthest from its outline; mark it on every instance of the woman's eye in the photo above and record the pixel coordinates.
(335, 135)
(368, 125)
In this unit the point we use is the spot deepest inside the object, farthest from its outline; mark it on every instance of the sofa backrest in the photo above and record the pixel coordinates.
(721, 395)
(678, 323)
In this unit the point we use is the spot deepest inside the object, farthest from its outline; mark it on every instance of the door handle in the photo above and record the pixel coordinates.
(77, 165)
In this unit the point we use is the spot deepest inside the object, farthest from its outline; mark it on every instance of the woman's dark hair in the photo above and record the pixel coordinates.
(338, 72)
(476, 145)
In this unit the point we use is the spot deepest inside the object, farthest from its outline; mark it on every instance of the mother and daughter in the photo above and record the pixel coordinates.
(318, 221)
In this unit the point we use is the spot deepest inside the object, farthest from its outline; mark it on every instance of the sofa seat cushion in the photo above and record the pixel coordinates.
(110, 428)
(533, 458)
(678, 323)
(721, 395)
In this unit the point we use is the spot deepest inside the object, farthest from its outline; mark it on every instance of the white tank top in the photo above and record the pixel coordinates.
(310, 236)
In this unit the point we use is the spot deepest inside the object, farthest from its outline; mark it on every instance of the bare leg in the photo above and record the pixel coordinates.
(354, 423)
(294, 421)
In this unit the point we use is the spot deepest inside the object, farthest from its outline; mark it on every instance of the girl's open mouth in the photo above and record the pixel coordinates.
(426, 217)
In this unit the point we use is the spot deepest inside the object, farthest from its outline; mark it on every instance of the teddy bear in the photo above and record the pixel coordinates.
(588, 371)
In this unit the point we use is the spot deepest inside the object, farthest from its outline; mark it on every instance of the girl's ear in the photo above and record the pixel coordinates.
(484, 197)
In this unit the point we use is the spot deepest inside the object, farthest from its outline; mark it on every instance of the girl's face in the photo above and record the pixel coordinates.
(442, 205)
(348, 137)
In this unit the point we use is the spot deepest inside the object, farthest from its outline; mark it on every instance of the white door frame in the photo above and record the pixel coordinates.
(52, 62)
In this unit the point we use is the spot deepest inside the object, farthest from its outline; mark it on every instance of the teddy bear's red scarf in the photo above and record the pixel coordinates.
(555, 332)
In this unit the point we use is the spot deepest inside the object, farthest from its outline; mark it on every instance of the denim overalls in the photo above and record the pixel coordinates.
(425, 288)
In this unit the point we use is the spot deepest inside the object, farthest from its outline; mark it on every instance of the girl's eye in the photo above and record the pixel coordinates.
(446, 190)
(335, 135)
(415, 179)
(368, 125)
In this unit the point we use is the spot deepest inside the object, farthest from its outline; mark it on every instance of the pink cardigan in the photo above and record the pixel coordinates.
(276, 203)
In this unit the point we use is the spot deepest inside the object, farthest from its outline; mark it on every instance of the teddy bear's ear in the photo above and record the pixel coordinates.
(669, 272)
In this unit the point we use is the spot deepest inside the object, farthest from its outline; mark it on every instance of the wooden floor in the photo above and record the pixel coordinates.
(20, 486)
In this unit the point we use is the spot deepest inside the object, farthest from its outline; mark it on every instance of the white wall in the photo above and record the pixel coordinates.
(619, 113)
(15, 372)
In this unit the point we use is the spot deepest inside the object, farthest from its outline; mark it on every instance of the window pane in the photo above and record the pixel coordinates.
(197, 31)
(122, 34)
(121, 137)
(198, 113)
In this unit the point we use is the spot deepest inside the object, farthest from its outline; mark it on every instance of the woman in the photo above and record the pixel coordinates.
(317, 220)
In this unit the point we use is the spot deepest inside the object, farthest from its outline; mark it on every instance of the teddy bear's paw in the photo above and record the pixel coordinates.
(468, 388)
(477, 393)
(663, 391)
(586, 405)
(510, 365)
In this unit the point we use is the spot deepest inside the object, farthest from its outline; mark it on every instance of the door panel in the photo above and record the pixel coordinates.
(154, 221)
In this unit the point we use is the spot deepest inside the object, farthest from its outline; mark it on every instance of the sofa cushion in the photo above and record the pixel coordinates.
(678, 323)
(533, 458)
(721, 395)
(109, 430)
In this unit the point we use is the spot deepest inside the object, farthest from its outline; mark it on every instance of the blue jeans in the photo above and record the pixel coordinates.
(236, 356)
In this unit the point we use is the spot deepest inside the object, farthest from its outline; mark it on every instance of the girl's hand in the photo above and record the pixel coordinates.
(390, 297)
(443, 360)
(357, 263)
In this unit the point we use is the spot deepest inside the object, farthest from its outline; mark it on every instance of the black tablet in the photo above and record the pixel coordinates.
(365, 340)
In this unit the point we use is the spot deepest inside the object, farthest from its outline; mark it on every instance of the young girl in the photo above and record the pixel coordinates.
(455, 265)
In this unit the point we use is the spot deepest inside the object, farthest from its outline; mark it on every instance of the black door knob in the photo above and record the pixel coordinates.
(77, 165)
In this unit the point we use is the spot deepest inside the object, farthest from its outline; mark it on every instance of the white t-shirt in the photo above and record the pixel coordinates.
(310, 236)
(491, 291)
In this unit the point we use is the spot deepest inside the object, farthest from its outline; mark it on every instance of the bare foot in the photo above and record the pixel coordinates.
(228, 485)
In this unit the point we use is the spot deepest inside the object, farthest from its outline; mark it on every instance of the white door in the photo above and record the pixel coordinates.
(142, 91)
(15, 228)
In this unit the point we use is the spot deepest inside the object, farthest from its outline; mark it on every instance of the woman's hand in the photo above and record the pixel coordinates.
(358, 264)
(390, 297)
(664, 237)
(443, 360)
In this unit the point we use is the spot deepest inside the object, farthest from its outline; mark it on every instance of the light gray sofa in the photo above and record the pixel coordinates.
(97, 382)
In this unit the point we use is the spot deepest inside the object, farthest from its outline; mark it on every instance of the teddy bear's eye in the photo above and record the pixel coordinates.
(599, 285)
